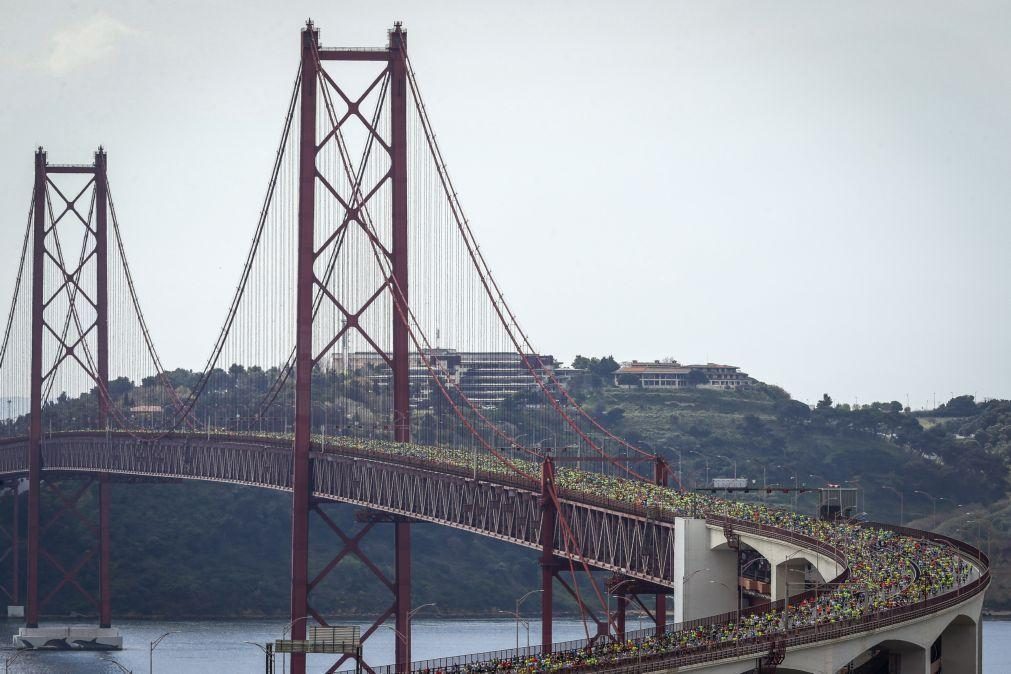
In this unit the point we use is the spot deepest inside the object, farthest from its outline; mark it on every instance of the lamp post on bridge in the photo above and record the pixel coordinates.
(902, 503)
(622, 605)
(765, 475)
(154, 645)
(737, 609)
(692, 451)
(9, 661)
(120, 667)
(681, 484)
(519, 602)
(934, 500)
(733, 461)
(526, 625)
(268, 654)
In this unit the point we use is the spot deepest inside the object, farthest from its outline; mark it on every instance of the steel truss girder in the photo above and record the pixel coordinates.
(615, 541)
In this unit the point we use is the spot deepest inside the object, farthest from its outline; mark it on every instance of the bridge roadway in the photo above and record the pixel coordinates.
(611, 535)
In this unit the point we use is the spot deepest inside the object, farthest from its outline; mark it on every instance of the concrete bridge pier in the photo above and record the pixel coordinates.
(962, 646)
(788, 578)
(708, 575)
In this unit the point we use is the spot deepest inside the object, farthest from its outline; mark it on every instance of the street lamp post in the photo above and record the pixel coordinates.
(268, 654)
(410, 614)
(526, 625)
(737, 609)
(680, 483)
(610, 593)
(902, 500)
(518, 603)
(154, 645)
(733, 461)
(11, 659)
(120, 667)
(692, 451)
(796, 488)
(933, 499)
(684, 583)
(765, 475)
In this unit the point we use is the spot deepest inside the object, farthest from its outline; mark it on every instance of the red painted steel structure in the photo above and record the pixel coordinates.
(35, 421)
(660, 610)
(301, 488)
(549, 516)
(15, 591)
(311, 73)
(401, 344)
(100, 376)
(12, 535)
(102, 326)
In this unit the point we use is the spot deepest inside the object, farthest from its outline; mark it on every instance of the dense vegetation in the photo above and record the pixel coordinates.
(211, 550)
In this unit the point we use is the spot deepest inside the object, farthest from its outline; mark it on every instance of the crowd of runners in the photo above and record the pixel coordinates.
(886, 569)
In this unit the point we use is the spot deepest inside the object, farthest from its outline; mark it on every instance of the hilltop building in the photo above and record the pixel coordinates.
(673, 375)
(485, 377)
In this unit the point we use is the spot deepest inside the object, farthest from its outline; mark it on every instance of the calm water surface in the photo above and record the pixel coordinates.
(217, 647)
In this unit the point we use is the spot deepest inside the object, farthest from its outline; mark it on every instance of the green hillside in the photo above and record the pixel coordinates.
(195, 550)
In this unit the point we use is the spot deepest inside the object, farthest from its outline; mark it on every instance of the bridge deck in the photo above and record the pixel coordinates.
(632, 534)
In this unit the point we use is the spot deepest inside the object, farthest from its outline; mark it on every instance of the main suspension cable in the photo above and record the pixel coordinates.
(18, 280)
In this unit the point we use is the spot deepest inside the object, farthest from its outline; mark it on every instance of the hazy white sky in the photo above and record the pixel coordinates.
(815, 191)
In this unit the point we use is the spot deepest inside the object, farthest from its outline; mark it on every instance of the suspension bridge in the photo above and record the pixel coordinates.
(340, 349)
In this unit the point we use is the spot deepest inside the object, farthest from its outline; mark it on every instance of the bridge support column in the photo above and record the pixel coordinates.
(961, 644)
(708, 577)
(104, 549)
(16, 550)
(548, 522)
(788, 578)
(660, 610)
(402, 600)
(301, 487)
(102, 329)
(35, 420)
(401, 365)
(619, 615)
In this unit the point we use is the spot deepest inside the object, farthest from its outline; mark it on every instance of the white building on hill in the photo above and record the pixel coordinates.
(673, 375)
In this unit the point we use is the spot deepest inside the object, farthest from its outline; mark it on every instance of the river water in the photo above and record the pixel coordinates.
(216, 647)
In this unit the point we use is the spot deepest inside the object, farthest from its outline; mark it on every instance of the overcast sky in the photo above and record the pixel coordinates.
(815, 191)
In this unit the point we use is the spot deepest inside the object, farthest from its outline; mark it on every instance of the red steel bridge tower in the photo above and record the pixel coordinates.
(392, 67)
(84, 281)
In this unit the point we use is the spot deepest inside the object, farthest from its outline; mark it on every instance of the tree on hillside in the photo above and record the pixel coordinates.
(598, 366)
(697, 378)
(825, 403)
(959, 406)
(628, 380)
(791, 412)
